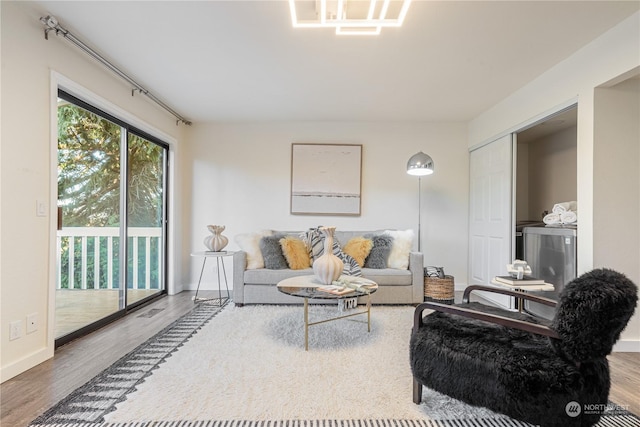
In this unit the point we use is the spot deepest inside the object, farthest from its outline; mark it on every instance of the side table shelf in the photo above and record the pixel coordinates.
(519, 303)
(219, 257)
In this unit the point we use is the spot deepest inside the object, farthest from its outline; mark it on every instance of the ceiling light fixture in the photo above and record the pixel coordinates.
(349, 17)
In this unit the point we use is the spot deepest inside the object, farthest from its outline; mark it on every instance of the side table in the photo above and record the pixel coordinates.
(219, 257)
(524, 288)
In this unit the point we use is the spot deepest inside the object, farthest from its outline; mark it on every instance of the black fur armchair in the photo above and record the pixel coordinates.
(538, 371)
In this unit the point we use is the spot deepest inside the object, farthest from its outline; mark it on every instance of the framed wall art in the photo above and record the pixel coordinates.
(326, 179)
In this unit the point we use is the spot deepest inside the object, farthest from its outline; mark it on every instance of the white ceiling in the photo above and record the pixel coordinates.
(243, 61)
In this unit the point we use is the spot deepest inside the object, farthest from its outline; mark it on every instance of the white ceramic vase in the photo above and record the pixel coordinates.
(328, 267)
(216, 242)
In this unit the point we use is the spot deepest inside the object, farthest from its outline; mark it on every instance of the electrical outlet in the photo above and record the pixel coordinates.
(15, 330)
(32, 323)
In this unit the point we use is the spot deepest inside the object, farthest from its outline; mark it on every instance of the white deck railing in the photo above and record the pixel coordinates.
(73, 236)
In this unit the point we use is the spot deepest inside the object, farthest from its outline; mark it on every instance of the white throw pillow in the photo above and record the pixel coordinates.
(250, 243)
(400, 248)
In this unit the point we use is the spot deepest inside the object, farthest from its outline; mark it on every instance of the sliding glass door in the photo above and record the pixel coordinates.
(111, 218)
(145, 218)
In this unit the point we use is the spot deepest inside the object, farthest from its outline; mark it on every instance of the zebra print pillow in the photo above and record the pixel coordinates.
(314, 240)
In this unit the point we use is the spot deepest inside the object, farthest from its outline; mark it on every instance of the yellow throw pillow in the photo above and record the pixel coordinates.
(358, 248)
(295, 252)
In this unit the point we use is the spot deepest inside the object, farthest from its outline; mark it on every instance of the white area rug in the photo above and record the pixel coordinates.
(249, 363)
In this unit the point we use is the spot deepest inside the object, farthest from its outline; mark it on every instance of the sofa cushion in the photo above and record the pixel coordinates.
(358, 248)
(250, 243)
(380, 251)
(343, 236)
(400, 248)
(295, 252)
(384, 276)
(272, 252)
(263, 276)
(388, 276)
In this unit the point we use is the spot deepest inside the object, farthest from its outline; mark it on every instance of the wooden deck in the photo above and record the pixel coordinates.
(76, 308)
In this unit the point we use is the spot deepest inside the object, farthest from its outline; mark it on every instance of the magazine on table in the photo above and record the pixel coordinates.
(356, 283)
(336, 289)
(526, 280)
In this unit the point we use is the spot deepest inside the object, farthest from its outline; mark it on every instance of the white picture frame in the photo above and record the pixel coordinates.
(326, 179)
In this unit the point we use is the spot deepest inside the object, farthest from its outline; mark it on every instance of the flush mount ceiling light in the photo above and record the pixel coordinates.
(349, 17)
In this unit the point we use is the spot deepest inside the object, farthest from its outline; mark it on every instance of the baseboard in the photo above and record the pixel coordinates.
(24, 364)
(627, 346)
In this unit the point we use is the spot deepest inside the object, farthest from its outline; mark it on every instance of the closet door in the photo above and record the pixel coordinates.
(490, 216)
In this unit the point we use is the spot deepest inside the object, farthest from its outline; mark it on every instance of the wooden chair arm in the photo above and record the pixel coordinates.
(486, 317)
(521, 295)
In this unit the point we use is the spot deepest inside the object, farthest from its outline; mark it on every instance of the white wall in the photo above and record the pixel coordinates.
(617, 198)
(613, 54)
(552, 172)
(240, 176)
(28, 174)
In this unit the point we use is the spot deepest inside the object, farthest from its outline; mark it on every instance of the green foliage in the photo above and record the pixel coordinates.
(88, 168)
(89, 172)
(146, 165)
(89, 189)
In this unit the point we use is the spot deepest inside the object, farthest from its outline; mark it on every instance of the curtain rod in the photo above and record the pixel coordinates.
(51, 24)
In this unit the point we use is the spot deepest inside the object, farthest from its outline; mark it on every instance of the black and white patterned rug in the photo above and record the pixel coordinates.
(88, 405)
(608, 421)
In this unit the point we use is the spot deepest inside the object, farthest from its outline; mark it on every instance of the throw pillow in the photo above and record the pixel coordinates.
(250, 243)
(351, 266)
(295, 252)
(272, 252)
(314, 241)
(358, 248)
(400, 248)
(379, 252)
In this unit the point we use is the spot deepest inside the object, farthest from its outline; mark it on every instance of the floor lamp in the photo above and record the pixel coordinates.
(420, 164)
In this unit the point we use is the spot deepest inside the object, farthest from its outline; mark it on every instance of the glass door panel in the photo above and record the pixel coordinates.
(88, 283)
(145, 218)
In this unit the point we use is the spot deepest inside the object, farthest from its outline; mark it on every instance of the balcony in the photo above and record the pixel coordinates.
(88, 283)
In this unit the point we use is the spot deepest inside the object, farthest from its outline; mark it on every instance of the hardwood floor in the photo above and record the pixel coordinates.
(33, 392)
(625, 380)
(76, 308)
(28, 395)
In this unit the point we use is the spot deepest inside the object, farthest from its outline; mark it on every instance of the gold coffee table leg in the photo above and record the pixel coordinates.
(306, 324)
(369, 313)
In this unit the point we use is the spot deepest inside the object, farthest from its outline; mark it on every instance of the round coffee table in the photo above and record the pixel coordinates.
(309, 287)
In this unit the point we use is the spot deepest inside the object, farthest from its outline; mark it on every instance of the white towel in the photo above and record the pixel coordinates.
(551, 219)
(568, 217)
(565, 207)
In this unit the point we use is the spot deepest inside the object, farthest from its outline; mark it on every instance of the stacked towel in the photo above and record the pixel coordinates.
(551, 219)
(568, 217)
(562, 213)
(565, 207)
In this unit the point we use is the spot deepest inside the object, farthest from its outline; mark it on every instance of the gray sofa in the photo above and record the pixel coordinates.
(395, 286)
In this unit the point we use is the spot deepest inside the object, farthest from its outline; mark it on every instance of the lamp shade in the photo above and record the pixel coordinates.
(420, 164)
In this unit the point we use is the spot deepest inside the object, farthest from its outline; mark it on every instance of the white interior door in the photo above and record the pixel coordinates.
(490, 216)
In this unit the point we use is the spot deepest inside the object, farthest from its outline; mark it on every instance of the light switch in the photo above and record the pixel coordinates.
(41, 208)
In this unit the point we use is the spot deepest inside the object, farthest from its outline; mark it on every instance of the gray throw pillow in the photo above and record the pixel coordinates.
(272, 252)
(379, 252)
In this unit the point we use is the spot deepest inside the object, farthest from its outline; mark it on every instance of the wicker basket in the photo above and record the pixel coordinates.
(438, 289)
